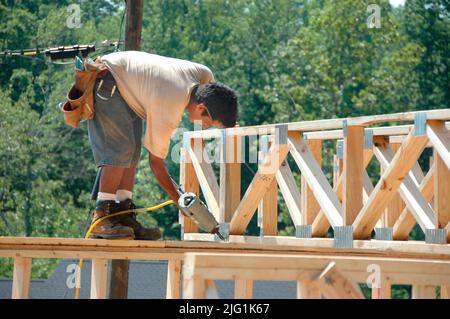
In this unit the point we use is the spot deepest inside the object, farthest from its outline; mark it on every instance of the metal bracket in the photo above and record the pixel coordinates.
(303, 231)
(420, 123)
(340, 149)
(343, 236)
(281, 134)
(384, 233)
(368, 139)
(344, 128)
(224, 230)
(436, 236)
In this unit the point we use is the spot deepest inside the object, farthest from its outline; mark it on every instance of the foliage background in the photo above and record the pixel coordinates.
(289, 60)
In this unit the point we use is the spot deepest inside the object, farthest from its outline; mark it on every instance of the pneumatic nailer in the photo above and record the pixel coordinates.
(194, 207)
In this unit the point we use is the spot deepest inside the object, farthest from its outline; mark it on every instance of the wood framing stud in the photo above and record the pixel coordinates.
(243, 289)
(173, 290)
(21, 278)
(352, 199)
(99, 276)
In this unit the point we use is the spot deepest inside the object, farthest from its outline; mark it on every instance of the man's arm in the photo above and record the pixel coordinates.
(159, 169)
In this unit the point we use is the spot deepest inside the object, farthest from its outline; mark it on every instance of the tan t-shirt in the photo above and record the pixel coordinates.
(157, 88)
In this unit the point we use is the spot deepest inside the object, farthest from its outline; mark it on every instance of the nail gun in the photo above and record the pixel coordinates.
(191, 204)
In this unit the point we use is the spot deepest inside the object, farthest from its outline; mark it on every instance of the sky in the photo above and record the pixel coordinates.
(396, 3)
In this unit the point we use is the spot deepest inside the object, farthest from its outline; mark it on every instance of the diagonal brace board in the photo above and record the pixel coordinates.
(388, 184)
(289, 190)
(206, 177)
(409, 192)
(258, 188)
(406, 221)
(440, 138)
(315, 178)
(320, 225)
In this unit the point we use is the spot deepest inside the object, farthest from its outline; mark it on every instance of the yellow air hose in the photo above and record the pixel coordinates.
(139, 210)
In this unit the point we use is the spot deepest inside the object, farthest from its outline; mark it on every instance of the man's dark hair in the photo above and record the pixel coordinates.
(221, 101)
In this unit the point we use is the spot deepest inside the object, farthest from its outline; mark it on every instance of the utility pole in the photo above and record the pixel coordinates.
(118, 285)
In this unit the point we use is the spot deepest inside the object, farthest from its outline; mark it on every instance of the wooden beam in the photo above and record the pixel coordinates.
(243, 289)
(388, 184)
(440, 138)
(321, 225)
(21, 278)
(353, 173)
(230, 177)
(268, 207)
(189, 182)
(316, 179)
(445, 292)
(289, 191)
(99, 278)
(406, 220)
(307, 289)
(309, 205)
(194, 288)
(423, 292)
(258, 187)
(206, 177)
(410, 193)
(319, 125)
(335, 286)
(173, 288)
(442, 192)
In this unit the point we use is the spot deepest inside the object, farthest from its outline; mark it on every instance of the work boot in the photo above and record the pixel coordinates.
(129, 220)
(109, 228)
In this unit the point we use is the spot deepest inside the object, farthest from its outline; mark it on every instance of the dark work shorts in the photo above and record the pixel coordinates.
(115, 132)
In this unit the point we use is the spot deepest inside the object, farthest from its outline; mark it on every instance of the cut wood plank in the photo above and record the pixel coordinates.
(206, 177)
(353, 174)
(230, 177)
(21, 278)
(99, 278)
(423, 292)
(243, 289)
(442, 192)
(409, 192)
(334, 285)
(319, 125)
(173, 290)
(316, 179)
(289, 191)
(388, 184)
(406, 221)
(440, 138)
(268, 207)
(445, 292)
(258, 187)
(309, 205)
(189, 182)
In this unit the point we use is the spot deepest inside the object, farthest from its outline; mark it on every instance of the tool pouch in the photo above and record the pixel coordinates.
(79, 105)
